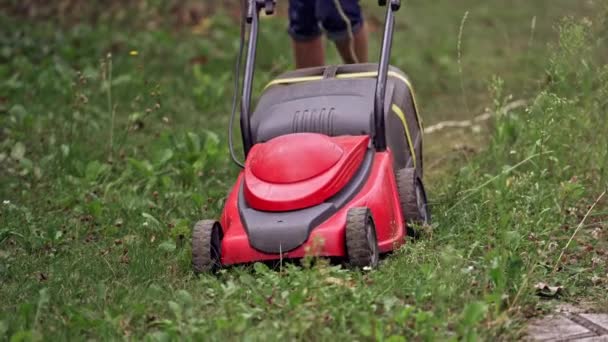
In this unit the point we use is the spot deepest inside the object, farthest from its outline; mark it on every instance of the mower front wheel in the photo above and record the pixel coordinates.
(361, 240)
(206, 246)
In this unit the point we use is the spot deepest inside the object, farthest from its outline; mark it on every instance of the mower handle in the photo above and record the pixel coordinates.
(253, 11)
(385, 56)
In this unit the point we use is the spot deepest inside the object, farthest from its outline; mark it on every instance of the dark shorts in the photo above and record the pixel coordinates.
(307, 18)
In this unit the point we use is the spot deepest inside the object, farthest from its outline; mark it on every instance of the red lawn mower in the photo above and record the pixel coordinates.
(333, 168)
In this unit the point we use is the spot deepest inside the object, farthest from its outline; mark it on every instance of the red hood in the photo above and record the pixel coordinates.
(300, 170)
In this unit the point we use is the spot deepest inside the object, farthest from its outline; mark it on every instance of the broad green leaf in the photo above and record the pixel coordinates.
(176, 309)
(473, 313)
(184, 297)
(18, 151)
(194, 142)
(164, 156)
(65, 150)
(94, 169)
(18, 111)
(167, 246)
(152, 219)
(142, 166)
(121, 79)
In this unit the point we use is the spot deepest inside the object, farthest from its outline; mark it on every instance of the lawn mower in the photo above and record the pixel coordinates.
(332, 168)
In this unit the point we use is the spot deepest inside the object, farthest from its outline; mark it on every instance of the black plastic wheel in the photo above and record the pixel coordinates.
(361, 240)
(206, 246)
(413, 200)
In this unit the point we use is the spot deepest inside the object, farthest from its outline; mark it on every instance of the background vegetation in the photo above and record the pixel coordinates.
(113, 142)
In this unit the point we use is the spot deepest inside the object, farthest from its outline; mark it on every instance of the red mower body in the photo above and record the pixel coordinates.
(333, 166)
(298, 171)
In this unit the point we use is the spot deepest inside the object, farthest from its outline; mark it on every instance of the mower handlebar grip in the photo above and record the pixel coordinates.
(395, 4)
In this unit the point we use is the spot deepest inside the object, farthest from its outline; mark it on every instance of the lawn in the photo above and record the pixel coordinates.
(113, 142)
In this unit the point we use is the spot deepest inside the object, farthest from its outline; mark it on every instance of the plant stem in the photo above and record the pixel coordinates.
(580, 225)
(111, 110)
(505, 172)
(464, 97)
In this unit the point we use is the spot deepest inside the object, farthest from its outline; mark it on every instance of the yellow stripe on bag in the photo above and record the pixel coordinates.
(401, 116)
(293, 80)
(356, 75)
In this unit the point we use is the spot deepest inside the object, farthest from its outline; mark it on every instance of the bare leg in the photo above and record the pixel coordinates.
(309, 53)
(360, 47)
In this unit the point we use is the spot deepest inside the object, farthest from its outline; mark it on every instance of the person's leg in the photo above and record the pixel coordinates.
(358, 46)
(309, 53)
(341, 18)
(306, 35)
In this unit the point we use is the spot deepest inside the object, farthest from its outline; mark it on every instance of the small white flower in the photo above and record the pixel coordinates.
(6, 202)
(145, 224)
(468, 269)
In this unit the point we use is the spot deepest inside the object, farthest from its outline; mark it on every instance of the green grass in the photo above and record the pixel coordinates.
(107, 160)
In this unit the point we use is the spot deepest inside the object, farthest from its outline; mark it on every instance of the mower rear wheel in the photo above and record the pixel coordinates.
(413, 200)
(361, 240)
(206, 246)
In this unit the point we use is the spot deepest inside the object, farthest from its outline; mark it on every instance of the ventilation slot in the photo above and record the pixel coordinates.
(314, 121)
